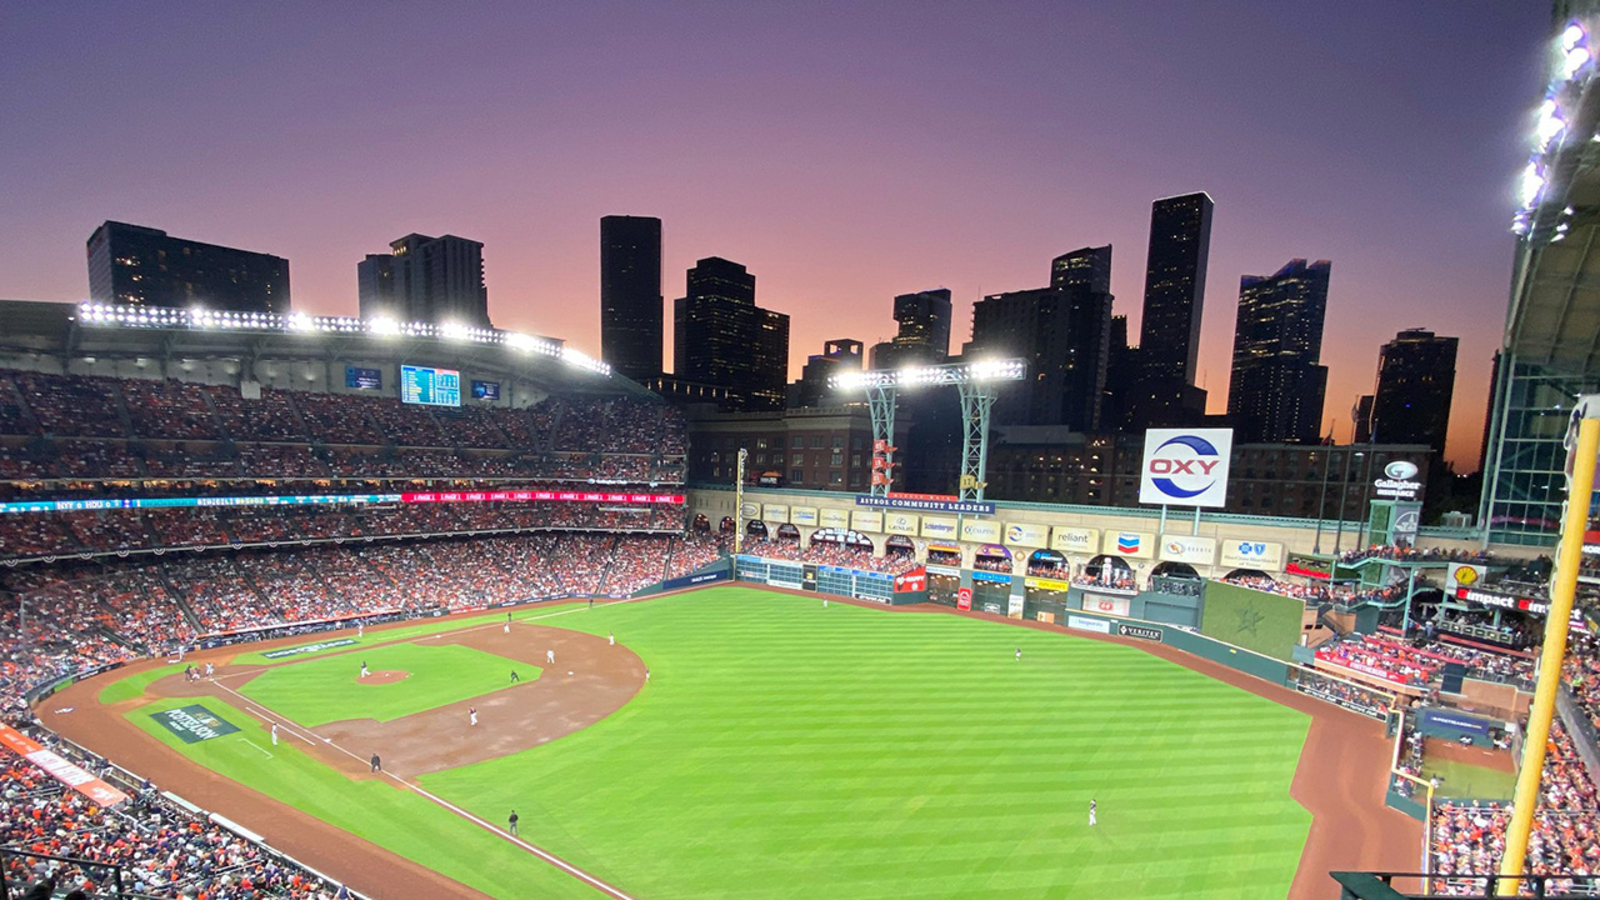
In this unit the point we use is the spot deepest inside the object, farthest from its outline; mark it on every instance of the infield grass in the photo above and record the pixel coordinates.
(784, 750)
(329, 689)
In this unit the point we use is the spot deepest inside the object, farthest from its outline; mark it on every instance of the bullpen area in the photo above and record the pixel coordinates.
(733, 741)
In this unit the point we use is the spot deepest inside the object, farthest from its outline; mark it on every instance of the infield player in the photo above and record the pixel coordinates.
(472, 714)
(274, 734)
(1091, 813)
(611, 639)
(361, 629)
(364, 672)
(209, 670)
(513, 828)
(377, 765)
(550, 657)
(515, 677)
(508, 623)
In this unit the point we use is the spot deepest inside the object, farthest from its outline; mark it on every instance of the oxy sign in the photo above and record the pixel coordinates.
(1186, 466)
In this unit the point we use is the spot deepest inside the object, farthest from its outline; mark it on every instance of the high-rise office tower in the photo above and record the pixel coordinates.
(1174, 286)
(1088, 268)
(433, 280)
(837, 356)
(630, 295)
(722, 338)
(923, 337)
(1277, 386)
(1361, 415)
(138, 266)
(1064, 332)
(1416, 379)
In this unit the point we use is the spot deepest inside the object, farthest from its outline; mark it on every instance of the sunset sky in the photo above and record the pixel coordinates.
(845, 153)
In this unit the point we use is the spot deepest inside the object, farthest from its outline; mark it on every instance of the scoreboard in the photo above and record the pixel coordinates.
(429, 386)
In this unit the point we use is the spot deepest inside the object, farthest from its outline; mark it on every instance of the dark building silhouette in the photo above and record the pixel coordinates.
(1087, 268)
(1159, 389)
(1278, 383)
(426, 279)
(1361, 416)
(1064, 332)
(722, 339)
(840, 355)
(138, 266)
(1488, 415)
(924, 334)
(631, 328)
(1174, 286)
(1416, 379)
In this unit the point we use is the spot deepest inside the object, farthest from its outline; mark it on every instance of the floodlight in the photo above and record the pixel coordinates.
(300, 322)
(383, 325)
(1572, 36)
(1575, 59)
(455, 331)
(1532, 183)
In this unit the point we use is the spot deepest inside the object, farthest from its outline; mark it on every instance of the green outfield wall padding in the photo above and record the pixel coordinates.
(1256, 620)
(1233, 657)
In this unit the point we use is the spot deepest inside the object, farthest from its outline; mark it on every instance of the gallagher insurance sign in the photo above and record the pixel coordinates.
(1186, 466)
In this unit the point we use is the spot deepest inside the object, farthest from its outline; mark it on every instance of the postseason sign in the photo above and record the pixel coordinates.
(194, 723)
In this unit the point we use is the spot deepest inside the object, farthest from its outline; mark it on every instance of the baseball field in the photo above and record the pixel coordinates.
(742, 742)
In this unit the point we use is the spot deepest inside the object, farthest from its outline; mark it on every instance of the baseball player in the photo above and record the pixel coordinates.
(550, 657)
(824, 602)
(508, 623)
(376, 765)
(1019, 654)
(611, 639)
(1091, 813)
(361, 629)
(515, 677)
(513, 828)
(646, 673)
(472, 714)
(274, 734)
(364, 672)
(210, 669)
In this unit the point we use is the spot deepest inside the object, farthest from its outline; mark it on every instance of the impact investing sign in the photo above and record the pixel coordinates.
(1186, 467)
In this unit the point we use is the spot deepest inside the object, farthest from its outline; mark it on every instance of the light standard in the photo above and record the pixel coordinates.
(1322, 503)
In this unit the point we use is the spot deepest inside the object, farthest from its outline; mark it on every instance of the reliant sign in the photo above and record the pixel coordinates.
(1074, 541)
(1398, 482)
(1186, 466)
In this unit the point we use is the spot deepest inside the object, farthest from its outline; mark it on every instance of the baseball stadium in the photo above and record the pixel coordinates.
(286, 610)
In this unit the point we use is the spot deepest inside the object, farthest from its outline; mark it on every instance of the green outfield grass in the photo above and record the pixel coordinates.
(326, 689)
(783, 750)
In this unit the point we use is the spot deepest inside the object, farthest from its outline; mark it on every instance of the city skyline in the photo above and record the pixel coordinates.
(855, 171)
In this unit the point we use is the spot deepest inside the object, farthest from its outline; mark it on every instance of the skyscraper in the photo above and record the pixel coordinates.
(1277, 386)
(1174, 286)
(1088, 268)
(139, 266)
(924, 332)
(721, 338)
(839, 355)
(1064, 332)
(630, 295)
(1416, 379)
(426, 279)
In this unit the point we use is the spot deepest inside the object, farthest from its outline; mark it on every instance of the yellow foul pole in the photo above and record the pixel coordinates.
(1579, 488)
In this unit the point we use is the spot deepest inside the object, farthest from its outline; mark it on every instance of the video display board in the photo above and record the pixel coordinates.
(485, 390)
(429, 386)
(362, 379)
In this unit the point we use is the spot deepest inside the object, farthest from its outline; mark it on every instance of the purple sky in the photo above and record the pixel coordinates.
(844, 156)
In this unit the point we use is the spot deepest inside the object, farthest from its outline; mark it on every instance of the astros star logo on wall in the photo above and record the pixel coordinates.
(1249, 618)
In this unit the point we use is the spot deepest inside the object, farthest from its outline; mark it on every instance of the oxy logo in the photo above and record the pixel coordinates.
(1182, 466)
(1013, 533)
(1400, 470)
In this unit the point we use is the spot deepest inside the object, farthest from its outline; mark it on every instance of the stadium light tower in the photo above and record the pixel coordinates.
(976, 382)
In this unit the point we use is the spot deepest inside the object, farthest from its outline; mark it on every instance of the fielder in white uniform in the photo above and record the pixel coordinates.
(550, 657)
(1091, 813)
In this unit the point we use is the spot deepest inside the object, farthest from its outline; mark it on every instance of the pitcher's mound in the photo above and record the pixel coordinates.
(384, 676)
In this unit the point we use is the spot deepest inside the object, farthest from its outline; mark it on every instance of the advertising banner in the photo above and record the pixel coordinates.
(1307, 565)
(939, 527)
(911, 582)
(60, 769)
(750, 510)
(318, 647)
(1106, 604)
(1075, 541)
(684, 581)
(980, 531)
(1184, 548)
(834, 518)
(1046, 584)
(964, 598)
(1132, 544)
(194, 723)
(1186, 467)
(900, 523)
(1264, 555)
(1142, 632)
(862, 520)
(1502, 601)
(1464, 576)
(1019, 534)
(775, 513)
(945, 571)
(808, 576)
(991, 577)
(1398, 482)
(1083, 623)
(803, 515)
(972, 507)
(1014, 607)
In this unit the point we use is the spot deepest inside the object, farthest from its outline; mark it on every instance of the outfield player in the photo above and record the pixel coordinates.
(1019, 654)
(513, 828)
(1091, 813)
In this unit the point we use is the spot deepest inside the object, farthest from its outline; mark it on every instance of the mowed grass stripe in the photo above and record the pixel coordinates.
(785, 750)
